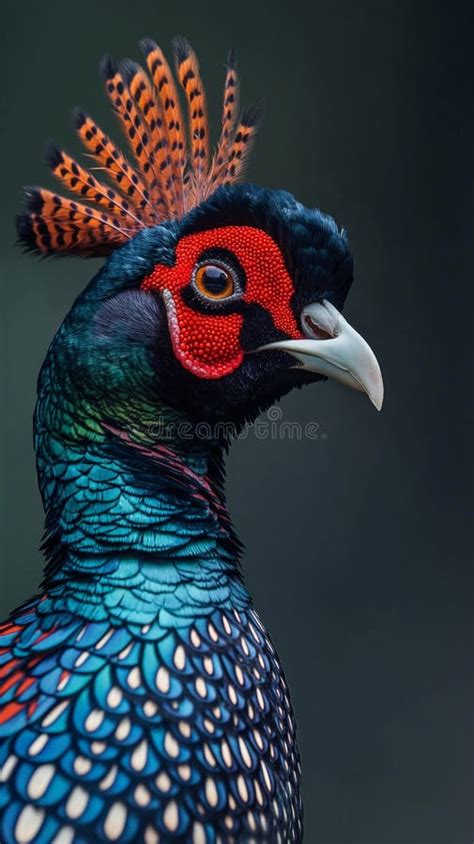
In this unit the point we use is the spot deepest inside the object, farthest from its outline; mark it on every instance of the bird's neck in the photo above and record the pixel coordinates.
(136, 523)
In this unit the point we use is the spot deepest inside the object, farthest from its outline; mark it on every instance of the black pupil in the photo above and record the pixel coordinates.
(215, 279)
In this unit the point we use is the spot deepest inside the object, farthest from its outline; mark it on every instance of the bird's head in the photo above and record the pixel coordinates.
(217, 298)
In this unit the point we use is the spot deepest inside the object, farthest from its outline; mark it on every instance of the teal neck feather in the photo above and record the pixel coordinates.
(136, 523)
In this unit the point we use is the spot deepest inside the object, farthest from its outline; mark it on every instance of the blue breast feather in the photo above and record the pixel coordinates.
(145, 734)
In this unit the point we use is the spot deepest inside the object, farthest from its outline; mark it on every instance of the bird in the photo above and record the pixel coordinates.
(141, 697)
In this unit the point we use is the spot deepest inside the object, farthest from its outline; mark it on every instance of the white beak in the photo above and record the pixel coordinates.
(335, 349)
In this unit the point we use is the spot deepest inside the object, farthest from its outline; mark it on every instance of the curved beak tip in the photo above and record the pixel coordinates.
(377, 396)
(342, 355)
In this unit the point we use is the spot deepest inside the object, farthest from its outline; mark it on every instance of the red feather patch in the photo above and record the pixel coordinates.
(209, 344)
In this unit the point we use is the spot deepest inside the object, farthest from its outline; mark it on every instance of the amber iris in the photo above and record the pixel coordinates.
(214, 281)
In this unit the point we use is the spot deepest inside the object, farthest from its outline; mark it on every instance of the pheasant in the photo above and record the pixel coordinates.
(141, 698)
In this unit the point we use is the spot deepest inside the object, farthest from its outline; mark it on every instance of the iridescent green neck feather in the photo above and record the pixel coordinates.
(136, 523)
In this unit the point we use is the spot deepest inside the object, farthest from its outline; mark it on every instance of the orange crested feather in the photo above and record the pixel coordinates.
(173, 172)
(80, 181)
(142, 94)
(133, 126)
(53, 224)
(113, 163)
(164, 83)
(242, 144)
(187, 68)
(230, 112)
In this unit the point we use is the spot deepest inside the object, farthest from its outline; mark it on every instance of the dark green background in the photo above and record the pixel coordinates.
(358, 549)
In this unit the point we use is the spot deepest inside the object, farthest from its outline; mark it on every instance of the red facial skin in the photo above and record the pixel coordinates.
(209, 344)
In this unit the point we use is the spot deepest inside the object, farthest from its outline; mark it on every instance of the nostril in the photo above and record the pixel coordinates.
(321, 321)
(315, 330)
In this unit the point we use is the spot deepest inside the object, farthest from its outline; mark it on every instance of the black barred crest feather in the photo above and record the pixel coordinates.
(229, 117)
(173, 169)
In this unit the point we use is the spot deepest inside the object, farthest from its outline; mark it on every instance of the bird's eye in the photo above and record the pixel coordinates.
(214, 281)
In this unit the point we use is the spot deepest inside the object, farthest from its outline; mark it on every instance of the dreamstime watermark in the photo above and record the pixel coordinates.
(273, 426)
(269, 426)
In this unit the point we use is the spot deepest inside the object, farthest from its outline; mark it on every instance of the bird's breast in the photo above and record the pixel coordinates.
(150, 735)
